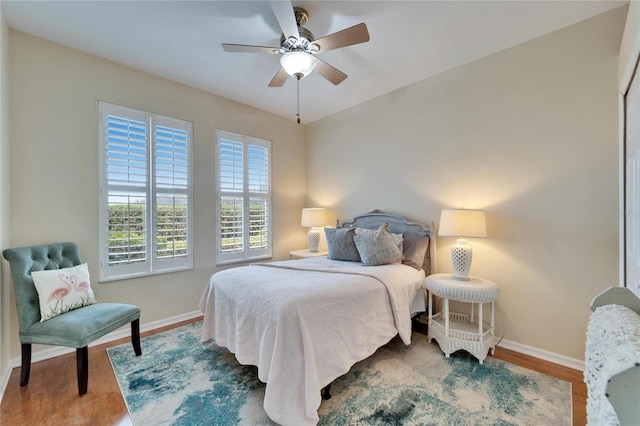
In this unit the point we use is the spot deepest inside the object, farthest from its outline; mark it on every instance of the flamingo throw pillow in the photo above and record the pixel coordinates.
(62, 290)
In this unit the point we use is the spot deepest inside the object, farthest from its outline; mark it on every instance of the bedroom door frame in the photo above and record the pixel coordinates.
(629, 76)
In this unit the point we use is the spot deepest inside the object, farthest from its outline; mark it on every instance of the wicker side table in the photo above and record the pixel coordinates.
(455, 331)
(304, 253)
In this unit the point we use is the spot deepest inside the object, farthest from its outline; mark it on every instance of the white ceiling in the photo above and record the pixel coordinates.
(181, 41)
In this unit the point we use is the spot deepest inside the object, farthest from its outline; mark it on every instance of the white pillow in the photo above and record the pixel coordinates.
(62, 290)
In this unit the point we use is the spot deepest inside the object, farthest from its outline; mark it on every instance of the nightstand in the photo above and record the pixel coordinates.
(302, 254)
(454, 331)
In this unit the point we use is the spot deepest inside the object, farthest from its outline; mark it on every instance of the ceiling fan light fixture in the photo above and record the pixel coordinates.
(298, 63)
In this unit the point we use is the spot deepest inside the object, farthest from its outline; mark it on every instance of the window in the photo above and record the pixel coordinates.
(145, 193)
(243, 223)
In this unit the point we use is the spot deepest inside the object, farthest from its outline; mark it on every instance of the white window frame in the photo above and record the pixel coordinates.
(152, 265)
(247, 253)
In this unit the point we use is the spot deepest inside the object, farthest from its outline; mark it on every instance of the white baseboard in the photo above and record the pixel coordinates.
(565, 361)
(114, 335)
(4, 380)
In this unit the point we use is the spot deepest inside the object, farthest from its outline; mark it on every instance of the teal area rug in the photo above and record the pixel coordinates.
(179, 381)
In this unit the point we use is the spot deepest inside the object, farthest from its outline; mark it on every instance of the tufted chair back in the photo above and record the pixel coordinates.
(25, 260)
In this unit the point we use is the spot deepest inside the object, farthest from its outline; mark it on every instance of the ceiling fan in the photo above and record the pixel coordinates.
(299, 47)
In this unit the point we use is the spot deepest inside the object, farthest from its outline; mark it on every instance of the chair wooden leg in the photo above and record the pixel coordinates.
(25, 369)
(135, 336)
(82, 362)
(326, 392)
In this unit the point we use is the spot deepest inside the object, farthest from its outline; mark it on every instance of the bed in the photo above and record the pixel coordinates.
(304, 323)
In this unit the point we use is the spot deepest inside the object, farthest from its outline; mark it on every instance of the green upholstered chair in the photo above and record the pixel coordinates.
(76, 328)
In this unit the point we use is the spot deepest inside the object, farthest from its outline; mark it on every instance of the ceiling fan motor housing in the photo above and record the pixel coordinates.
(302, 17)
(303, 44)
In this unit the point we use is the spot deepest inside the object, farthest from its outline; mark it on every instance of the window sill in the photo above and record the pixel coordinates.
(144, 275)
(253, 259)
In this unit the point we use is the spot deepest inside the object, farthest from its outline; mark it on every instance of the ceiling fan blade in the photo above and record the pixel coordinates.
(329, 72)
(286, 18)
(347, 37)
(245, 48)
(279, 79)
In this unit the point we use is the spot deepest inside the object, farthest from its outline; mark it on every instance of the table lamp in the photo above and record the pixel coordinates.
(314, 217)
(462, 223)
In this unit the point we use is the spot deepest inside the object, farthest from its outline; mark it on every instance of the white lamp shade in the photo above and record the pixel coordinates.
(463, 223)
(314, 216)
(298, 63)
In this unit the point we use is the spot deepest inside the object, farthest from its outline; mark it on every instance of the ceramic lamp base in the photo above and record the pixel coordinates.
(461, 256)
(314, 240)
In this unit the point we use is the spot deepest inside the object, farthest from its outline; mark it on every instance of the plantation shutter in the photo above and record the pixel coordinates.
(231, 169)
(127, 193)
(172, 184)
(244, 197)
(146, 195)
(259, 208)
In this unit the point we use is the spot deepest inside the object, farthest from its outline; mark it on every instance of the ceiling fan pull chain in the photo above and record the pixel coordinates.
(298, 99)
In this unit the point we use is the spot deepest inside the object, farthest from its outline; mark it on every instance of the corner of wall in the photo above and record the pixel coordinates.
(5, 368)
(629, 47)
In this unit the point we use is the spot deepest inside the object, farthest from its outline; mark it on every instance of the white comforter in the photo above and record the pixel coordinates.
(304, 323)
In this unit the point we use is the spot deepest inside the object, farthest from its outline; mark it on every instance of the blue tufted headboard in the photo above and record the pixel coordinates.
(23, 261)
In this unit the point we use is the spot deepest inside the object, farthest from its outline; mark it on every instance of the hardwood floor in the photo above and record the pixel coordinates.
(575, 377)
(51, 398)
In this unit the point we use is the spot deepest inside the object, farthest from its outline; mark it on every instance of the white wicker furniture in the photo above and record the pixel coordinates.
(454, 331)
(304, 253)
(612, 358)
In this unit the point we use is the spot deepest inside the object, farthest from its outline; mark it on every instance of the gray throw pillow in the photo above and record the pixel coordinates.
(414, 249)
(340, 244)
(378, 247)
(398, 238)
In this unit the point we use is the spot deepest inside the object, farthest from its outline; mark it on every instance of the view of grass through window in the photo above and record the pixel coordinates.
(128, 237)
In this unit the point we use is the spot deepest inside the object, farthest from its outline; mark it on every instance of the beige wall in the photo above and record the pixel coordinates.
(4, 196)
(54, 164)
(629, 47)
(530, 135)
